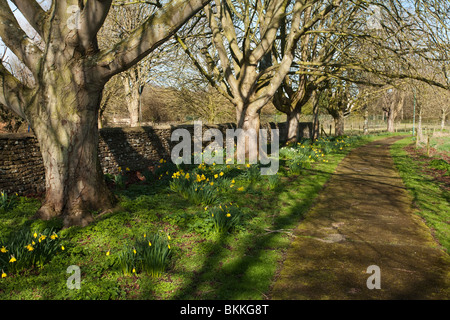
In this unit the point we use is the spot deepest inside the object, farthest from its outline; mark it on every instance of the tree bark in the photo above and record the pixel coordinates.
(66, 126)
(443, 117)
(339, 123)
(366, 121)
(293, 126)
(391, 120)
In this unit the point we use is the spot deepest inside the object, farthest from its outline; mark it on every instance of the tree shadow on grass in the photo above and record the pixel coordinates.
(246, 276)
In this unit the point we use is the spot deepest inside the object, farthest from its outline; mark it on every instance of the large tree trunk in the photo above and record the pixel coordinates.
(339, 123)
(66, 126)
(391, 120)
(293, 126)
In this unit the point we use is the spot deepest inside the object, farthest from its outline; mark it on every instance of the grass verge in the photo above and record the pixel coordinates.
(431, 199)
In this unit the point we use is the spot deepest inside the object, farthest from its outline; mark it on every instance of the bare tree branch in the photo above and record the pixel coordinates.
(33, 12)
(17, 40)
(154, 31)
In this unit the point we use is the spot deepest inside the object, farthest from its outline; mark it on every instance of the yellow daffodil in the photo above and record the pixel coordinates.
(233, 181)
(62, 248)
(3, 274)
(168, 237)
(127, 169)
(212, 183)
(12, 259)
(231, 185)
(149, 244)
(35, 235)
(134, 270)
(134, 251)
(53, 236)
(228, 215)
(216, 176)
(241, 189)
(187, 175)
(107, 253)
(3, 249)
(221, 174)
(168, 246)
(145, 235)
(248, 165)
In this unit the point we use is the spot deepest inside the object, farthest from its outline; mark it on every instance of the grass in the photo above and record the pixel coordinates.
(441, 144)
(239, 262)
(432, 201)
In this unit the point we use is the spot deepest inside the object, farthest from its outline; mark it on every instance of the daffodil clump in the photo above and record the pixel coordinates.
(150, 254)
(301, 155)
(196, 187)
(225, 217)
(25, 250)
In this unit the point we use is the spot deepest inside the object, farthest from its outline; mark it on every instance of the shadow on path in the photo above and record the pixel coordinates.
(363, 217)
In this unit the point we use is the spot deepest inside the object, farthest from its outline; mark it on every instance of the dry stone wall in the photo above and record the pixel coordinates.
(22, 170)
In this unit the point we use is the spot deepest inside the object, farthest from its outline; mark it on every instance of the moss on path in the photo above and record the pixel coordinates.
(364, 216)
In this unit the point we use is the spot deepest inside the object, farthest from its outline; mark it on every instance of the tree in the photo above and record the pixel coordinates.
(238, 63)
(70, 71)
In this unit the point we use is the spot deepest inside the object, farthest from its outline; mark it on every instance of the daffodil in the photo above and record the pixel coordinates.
(216, 176)
(134, 251)
(12, 259)
(149, 244)
(241, 189)
(3, 274)
(107, 253)
(168, 237)
(62, 248)
(168, 246)
(3, 249)
(35, 235)
(134, 270)
(221, 174)
(228, 215)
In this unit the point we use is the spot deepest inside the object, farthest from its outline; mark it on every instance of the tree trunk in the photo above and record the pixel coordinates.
(293, 126)
(339, 123)
(66, 125)
(316, 125)
(419, 126)
(390, 120)
(133, 100)
(443, 117)
(366, 121)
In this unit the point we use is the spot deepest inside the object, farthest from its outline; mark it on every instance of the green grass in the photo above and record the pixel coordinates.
(203, 264)
(441, 144)
(433, 202)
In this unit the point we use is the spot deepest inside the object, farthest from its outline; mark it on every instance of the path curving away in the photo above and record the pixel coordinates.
(364, 216)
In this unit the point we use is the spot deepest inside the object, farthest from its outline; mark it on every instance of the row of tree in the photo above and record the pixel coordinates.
(280, 53)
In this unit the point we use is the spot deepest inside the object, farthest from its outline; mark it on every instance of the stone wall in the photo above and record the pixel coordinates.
(22, 171)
